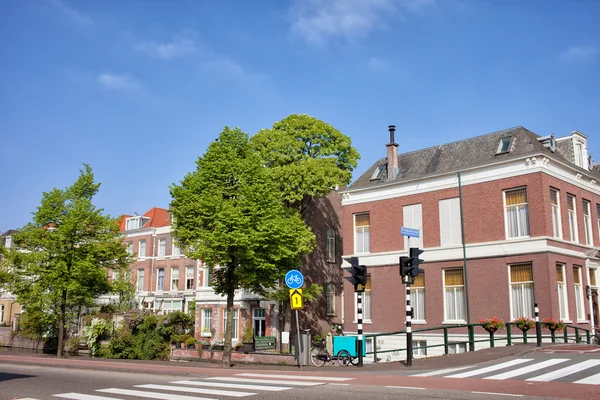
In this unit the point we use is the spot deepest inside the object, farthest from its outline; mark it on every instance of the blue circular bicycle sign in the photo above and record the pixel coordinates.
(294, 279)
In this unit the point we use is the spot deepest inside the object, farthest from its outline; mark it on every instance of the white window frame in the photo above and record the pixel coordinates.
(561, 290)
(207, 276)
(450, 222)
(160, 279)
(259, 316)
(206, 322)
(175, 252)
(330, 245)
(330, 299)
(598, 218)
(412, 215)
(417, 302)
(132, 223)
(129, 246)
(236, 325)
(1, 313)
(579, 302)
(573, 229)
(512, 286)
(140, 280)
(555, 212)
(505, 141)
(8, 242)
(420, 348)
(587, 222)
(175, 278)
(455, 293)
(162, 247)
(142, 249)
(362, 236)
(190, 276)
(521, 222)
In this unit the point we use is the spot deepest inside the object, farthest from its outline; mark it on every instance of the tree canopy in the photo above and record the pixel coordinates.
(61, 259)
(306, 157)
(229, 213)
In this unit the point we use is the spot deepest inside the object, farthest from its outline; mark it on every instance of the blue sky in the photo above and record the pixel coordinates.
(138, 88)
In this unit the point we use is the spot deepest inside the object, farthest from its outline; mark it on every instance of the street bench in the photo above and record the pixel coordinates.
(264, 343)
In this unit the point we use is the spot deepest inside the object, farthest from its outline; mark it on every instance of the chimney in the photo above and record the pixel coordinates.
(392, 155)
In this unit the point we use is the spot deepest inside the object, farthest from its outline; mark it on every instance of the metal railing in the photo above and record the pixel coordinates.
(578, 335)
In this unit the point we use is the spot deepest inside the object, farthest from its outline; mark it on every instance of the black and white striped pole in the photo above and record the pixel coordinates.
(360, 327)
(538, 325)
(409, 344)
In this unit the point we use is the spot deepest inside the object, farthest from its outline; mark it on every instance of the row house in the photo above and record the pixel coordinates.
(9, 308)
(529, 214)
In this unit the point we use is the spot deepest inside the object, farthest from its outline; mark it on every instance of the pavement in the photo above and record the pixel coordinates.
(180, 367)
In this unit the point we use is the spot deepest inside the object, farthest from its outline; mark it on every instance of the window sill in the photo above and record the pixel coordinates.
(365, 321)
(419, 321)
(452, 322)
(583, 321)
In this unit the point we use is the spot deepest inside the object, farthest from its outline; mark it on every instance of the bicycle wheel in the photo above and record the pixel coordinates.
(318, 356)
(344, 358)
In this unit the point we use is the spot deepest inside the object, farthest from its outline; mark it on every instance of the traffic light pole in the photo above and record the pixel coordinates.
(409, 345)
(360, 327)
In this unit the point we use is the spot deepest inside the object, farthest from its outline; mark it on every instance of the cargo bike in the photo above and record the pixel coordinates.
(345, 351)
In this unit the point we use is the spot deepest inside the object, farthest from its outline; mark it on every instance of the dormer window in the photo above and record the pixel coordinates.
(504, 145)
(135, 222)
(378, 173)
(8, 242)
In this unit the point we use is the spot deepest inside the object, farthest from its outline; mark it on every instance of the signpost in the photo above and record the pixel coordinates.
(294, 280)
(416, 233)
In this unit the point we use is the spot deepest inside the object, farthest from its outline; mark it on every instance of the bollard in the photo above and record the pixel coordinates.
(538, 326)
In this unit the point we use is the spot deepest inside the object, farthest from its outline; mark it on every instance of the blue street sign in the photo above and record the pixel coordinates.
(410, 232)
(294, 279)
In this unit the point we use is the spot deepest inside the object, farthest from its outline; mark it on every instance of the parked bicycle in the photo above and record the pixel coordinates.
(319, 355)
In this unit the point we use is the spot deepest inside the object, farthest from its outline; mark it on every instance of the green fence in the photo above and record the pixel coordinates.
(570, 334)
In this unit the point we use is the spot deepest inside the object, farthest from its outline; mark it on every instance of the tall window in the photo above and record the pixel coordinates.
(587, 222)
(189, 277)
(162, 247)
(572, 218)
(362, 236)
(517, 214)
(450, 232)
(8, 242)
(140, 280)
(417, 297)
(454, 295)
(234, 334)
(330, 298)
(207, 281)
(578, 292)
(142, 249)
(598, 217)
(175, 250)
(330, 244)
(561, 291)
(366, 301)
(206, 321)
(259, 319)
(1, 313)
(174, 278)
(160, 279)
(521, 291)
(555, 210)
(130, 248)
(413, 218)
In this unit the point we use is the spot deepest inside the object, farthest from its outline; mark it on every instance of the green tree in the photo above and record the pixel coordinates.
(61, 258)
(229, 213)
(306, 157)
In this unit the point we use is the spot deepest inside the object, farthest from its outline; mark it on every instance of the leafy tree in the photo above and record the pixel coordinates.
(61, 258)
(306, 157)
(5, 275)
(229, 213)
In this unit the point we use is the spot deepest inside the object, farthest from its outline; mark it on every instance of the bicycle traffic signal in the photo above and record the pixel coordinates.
(359, 274)
(405, 267)
(415, 261)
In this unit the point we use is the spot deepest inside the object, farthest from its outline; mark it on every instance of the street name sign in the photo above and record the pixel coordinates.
(410, 232)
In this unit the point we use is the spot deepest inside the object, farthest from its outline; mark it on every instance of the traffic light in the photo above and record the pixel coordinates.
(415, 261)
(405, 267)
(359, 274)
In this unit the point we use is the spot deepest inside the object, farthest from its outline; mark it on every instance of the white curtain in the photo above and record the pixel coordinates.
(417, 299)
(522, 300)
(455, 305)
(366, 303)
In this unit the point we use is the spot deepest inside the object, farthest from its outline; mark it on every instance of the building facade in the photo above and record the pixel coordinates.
(529, 214)
(9, 308)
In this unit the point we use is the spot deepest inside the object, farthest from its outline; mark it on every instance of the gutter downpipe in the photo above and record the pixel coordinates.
(464, 246)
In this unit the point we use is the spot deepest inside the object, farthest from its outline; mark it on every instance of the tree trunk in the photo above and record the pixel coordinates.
(61, 323)
(229, 328)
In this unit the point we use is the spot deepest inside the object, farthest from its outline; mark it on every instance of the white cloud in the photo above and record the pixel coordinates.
(579, 53)
(75, 16)
(122, 82)
(377, 64)
(182, 45)
(319, 20)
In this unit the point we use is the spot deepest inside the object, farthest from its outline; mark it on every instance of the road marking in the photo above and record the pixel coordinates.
(550, 376)
(196, 390)
(151, 395)
(234, 385)
(590, 380)
(528, 369)
(405, 387)
(499, 394)
(80, 396)
(491, 368)
(244, 380)
(443, 371)
(320, 378)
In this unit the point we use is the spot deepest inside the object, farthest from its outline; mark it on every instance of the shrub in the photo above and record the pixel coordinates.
(94, 332)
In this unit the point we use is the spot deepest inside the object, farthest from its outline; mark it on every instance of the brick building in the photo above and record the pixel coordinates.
(9, 308)
(531, 212)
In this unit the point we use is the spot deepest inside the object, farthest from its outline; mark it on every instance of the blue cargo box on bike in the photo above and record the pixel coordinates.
(348, 343)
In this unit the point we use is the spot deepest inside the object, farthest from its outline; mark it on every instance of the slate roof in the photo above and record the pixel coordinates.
(461, 155)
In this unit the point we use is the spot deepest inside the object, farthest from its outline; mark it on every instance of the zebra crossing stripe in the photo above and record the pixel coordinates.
(268, 381)
(527, 369)
(496, 367)
(196, 390)
(550, 376)
(80, 396)
(590, 380)
(151, 395)
(319, 378)
(443, 371)
(233, 385)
